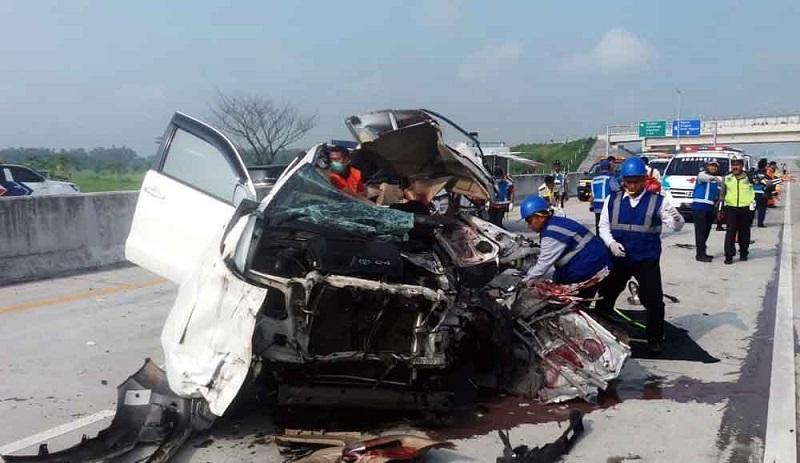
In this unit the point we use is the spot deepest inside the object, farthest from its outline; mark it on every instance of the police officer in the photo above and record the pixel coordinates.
(704, 200)
(603, 184)
(630, 225)
(576, 253)
(738, 196)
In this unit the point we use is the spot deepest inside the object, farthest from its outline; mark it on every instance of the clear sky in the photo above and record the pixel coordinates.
(96, 73)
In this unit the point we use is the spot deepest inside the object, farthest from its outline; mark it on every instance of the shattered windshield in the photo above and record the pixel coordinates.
(309, 197)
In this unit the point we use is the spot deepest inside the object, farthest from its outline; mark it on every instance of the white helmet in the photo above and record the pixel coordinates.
(736, 157)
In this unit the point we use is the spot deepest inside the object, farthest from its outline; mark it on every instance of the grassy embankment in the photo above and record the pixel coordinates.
(90, 181)
(570, 154)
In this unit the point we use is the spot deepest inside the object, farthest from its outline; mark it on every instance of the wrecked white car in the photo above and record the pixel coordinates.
(332, 299)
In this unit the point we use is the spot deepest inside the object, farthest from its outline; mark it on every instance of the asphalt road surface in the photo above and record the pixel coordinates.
(66, 343)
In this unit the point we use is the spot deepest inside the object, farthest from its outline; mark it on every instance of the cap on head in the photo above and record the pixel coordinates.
(633, 167)
(533, 205)
(712, 161)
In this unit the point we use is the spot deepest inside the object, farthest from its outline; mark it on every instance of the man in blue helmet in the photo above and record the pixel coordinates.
(571, 249)
(603, 184)
(630, 225)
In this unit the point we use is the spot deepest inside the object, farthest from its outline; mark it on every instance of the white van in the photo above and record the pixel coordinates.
(677, 182)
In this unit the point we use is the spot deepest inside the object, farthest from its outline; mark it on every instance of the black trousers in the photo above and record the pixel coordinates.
(648, 275)
(737, 222)
(496, 215)
(597, 224)
(761, 208)
(703, 220)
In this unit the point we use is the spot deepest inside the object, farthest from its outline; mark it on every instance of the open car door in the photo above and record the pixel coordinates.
(187, 198)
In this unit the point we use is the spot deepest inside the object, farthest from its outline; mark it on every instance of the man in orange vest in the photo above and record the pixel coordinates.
(342, 175)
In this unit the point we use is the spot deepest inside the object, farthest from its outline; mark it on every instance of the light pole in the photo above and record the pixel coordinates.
(678, 144)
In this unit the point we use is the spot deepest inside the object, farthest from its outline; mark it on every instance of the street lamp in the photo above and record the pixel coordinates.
(678, 144)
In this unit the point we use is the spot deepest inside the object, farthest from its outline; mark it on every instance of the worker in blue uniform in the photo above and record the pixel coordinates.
(630, 225)
(567, 247)
(705, 198)
(603, 184)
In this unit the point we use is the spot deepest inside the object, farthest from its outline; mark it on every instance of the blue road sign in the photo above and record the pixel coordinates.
(686, 127)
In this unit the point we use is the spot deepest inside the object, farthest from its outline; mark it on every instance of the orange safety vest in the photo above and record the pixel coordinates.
(351, 184)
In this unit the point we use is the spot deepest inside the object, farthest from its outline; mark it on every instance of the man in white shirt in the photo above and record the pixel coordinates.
(630, 225)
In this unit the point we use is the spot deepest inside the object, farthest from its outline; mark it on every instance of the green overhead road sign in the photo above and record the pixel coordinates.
(653, 129)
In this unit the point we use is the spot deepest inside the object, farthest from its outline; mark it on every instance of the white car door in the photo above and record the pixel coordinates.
(187, 197)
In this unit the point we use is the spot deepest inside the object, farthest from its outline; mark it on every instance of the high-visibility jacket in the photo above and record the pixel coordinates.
(584, 255)
(637, 229)
(704, 195)
(351, 184)
(603, 185)
(739, 192)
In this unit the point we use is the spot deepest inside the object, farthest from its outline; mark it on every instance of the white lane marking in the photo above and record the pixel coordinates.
(55, 432)
(781, 440)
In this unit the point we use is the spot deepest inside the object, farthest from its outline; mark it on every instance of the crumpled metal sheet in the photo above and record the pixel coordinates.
(579, 356)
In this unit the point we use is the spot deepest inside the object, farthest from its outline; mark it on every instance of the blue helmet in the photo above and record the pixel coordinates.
(533, 205)
(633, 167)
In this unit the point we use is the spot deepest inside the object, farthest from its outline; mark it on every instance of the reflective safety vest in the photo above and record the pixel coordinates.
(558, 182)
(503, 190)
(758, 187)
(739, 192)
(705, 195)
(637, 229)
(601, 189)
(584, 255)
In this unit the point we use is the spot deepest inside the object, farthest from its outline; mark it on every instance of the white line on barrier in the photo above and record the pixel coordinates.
(55, 432)
(781, 441)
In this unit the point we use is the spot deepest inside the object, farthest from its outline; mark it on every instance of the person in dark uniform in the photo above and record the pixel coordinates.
(705, 197)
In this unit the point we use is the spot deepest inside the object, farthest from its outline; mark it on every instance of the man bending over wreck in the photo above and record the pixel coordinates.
(575, 253)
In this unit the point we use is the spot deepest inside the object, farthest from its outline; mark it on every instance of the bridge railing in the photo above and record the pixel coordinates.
(709, 125)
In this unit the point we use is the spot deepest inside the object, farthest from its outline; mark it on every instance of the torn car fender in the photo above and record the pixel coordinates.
(207, 338)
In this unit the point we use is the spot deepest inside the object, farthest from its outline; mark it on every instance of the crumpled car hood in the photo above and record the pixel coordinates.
(409, 143)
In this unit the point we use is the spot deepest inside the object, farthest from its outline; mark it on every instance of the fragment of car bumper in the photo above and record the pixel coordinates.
(150, 425)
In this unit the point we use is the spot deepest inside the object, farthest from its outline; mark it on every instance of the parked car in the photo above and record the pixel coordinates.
(585, 182)
(19, 180)
(677, 182)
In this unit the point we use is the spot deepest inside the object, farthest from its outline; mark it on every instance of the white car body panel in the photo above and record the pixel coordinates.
(166, 236)
(207, 338)
(174, 221)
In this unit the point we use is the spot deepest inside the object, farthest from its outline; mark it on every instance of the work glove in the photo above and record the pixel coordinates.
(616, 249)
(676, 216)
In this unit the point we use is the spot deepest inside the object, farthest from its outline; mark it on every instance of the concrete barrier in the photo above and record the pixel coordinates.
(49, 235)
(528, 184)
